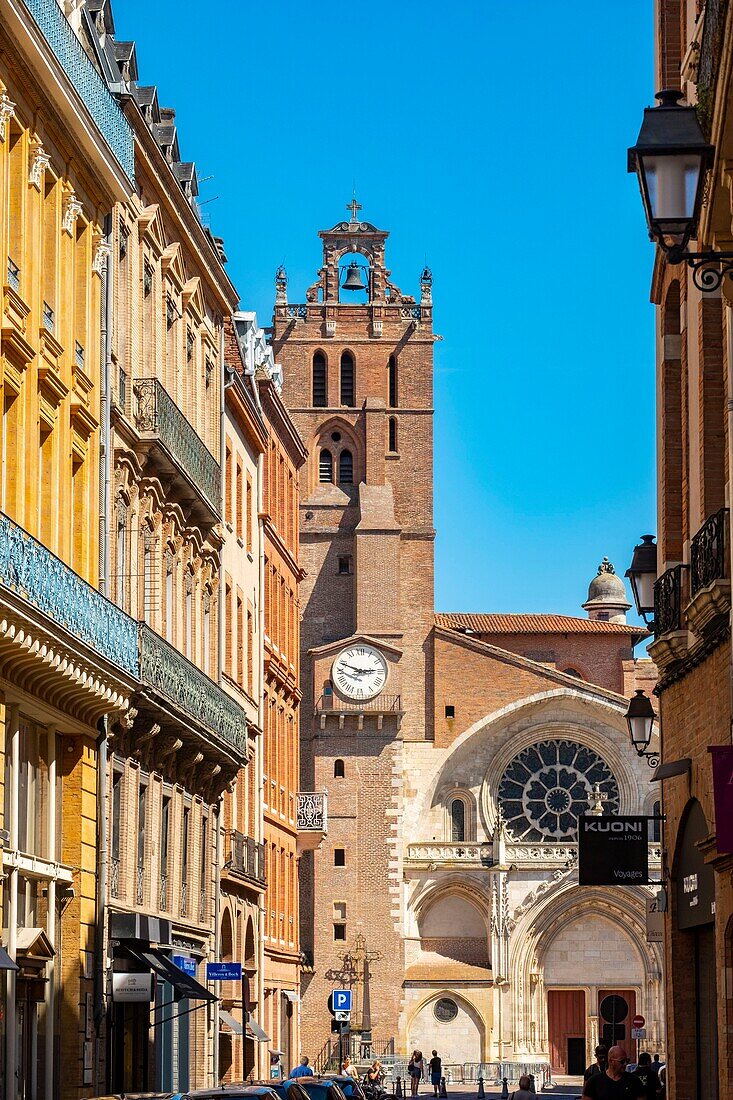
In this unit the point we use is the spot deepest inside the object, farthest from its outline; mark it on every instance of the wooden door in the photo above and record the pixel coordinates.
(616, 1010)
(566, 1019)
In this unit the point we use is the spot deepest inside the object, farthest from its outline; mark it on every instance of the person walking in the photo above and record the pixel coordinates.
(436, 1071)
(599, 1066)
(415, 1068)
(614, 1083)
(524, 1092)
(648, 1075)
(304, 1069)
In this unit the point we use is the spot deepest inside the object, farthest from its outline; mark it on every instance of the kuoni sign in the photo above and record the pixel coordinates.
(613, 850)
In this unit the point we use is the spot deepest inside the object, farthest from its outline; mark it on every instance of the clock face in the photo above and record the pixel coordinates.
(359, 672)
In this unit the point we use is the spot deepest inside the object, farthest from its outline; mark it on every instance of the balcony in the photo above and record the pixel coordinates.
(174, 445)
(245, 857)
(709, 575)
(451, 854)
(99, 102)
(41, 579)
(197, 705)
(312, 819)
(382, 705)
(671, 637)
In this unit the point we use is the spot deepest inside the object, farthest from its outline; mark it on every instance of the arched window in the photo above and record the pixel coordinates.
(325, 466)
(320, 388)
(346, 468)
(347, 379)
(457, 820)
(392, 434)
(392, 384)
(338, 769)
(655, 831)
(572, 672)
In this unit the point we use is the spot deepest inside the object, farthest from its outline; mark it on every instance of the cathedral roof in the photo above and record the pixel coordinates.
(532, 624)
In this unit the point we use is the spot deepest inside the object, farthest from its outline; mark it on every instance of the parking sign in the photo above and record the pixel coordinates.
(340, 1000)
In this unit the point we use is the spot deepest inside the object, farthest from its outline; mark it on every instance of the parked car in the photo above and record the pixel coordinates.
(347, 1084)
(321, 1088)
(289, 1089)
(242, 1091)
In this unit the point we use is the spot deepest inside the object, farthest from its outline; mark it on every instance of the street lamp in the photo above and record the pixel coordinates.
(671, 159)
(642, 574)
(640, 720)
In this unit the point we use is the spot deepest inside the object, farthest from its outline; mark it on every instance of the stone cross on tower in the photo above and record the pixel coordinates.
(353, 206)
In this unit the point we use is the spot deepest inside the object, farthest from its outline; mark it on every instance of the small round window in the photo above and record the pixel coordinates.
(445, 1010)
(336, 437)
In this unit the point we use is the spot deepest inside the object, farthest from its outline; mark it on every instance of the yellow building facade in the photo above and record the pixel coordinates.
(68, 657)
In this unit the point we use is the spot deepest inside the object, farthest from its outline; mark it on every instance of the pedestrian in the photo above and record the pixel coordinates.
(349, 1069)
(436, 1071)
(415, 1068)
(648, 1075)
(614, 1083)
(599, 1066)
(524, 1092)
(304, 1069)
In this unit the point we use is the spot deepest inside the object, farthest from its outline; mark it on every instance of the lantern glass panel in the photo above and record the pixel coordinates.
(643, 586)
(672, 182)
(641, 732)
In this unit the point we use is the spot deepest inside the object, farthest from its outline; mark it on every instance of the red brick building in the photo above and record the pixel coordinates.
(446, 895)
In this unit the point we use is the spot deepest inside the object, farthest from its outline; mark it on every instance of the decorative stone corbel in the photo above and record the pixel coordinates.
(40, 161)
(102, 254)
(7, 110)
(72, 210)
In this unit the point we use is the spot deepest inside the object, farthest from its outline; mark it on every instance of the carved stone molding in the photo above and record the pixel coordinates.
(72, 210)
(40, 161)
(7, 110)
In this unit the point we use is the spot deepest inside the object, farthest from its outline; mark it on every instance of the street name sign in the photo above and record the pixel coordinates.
(223, 972)
(613, 850)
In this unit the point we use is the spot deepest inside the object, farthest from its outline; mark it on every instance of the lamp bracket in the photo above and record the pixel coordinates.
(652, 758)
(708, 268)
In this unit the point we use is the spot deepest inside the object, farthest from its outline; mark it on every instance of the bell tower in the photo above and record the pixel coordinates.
(357, 357)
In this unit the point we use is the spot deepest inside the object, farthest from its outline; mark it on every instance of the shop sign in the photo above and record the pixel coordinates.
(132, 987)
(613, 850)
(695, 879)
(223, 972)
(188, 966)
(723, 791)
(654, 921)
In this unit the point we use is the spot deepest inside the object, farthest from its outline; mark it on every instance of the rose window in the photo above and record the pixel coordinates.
(548, 785)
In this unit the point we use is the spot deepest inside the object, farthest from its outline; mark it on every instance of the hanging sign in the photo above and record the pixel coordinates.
(695, 877)
(613, 850)
(654, 922)
(223, 972)
(723, 791)
(132, 987)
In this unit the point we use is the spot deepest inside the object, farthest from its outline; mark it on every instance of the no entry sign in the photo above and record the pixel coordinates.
(638, 1021)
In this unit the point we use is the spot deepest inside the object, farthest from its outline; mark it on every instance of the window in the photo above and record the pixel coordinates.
(457, 820)
(392, 441)
(572, 672)
(228, 482)
(320, 388)
(142, 799)
(248, 518)
(165, 814)
(339, 931)
(344, 565)
(184, 845)
(339, 857)
(240, 501)
(655, 831)
(188, 607)
(347, 379)
(392, 383)
(121, 553)
(207, 631)
(346, 468)
(169, 586)
(450, 710)
(339, 910)
(338, 769)
(325, 466)
(116, 815)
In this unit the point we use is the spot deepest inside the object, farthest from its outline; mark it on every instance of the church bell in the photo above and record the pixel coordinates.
(353, 280)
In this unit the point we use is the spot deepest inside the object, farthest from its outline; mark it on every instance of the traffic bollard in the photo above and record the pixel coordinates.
(504, 1089)
(480, 1095)
(442, 1087)
(398, 1090)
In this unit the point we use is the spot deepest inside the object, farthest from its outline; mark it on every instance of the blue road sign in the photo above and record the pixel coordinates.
(188, 966)
(223, 972)
(341, 1000)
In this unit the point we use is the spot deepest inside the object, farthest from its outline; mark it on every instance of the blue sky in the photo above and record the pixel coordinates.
(491, 138)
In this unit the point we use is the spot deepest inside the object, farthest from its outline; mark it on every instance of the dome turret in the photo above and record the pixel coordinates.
(607, 596)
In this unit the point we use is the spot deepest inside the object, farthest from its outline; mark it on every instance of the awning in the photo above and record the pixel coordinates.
(234, 1025)
(183, 984)
(291, 995)
(254, 1031)
(6, 963)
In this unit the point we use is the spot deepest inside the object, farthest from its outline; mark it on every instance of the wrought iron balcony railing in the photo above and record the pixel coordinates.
(191, 691)
(139, 884)
(246, 857)
(668, 601)
(32, 571)
(381, 704)
(312, 812)
(708, 552)
(163, 891)
(158, 414)
(99, 101)
(13, 274)
(114, 876)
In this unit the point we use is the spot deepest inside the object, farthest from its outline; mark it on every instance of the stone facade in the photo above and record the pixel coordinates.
(451, 910)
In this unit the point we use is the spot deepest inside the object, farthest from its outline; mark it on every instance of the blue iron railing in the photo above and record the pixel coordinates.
(100, 102)
(29, 569)
(191, 691)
